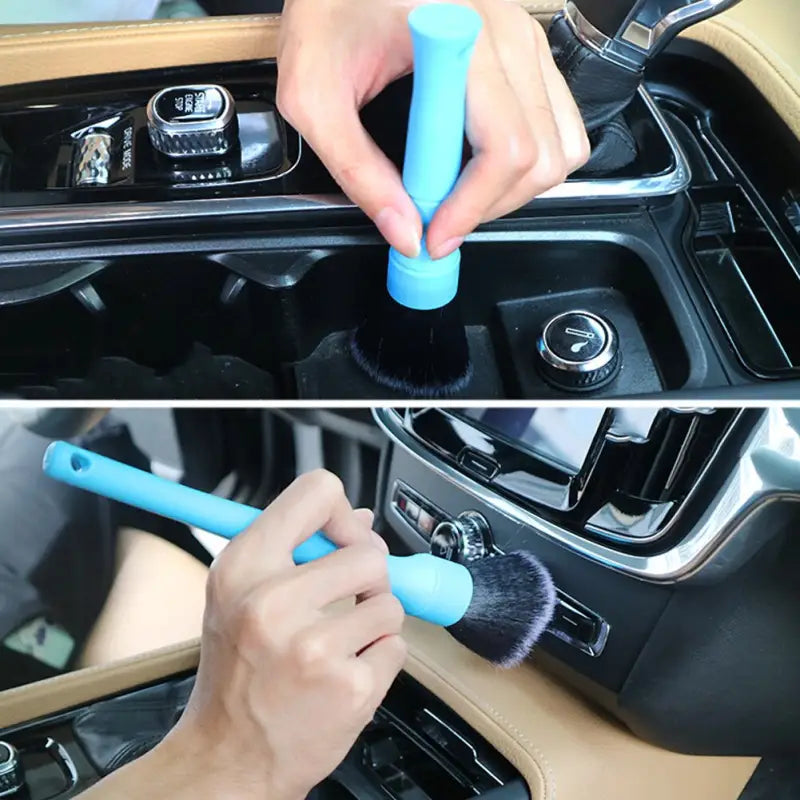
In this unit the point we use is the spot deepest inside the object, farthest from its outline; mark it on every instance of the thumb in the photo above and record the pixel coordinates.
(364, 172)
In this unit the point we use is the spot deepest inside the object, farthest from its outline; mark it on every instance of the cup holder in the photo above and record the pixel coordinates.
(276, 323)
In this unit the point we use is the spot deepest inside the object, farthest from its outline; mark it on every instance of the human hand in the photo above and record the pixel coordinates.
(524, 127)
(284, 687)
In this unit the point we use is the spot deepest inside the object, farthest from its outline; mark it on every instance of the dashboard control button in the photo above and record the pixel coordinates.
(426, 523)
(416, 511)
(412, 510)
(468, 537)
(479, 464)
(192, 121)
(92, 161)
(12, 778)
(578, 351)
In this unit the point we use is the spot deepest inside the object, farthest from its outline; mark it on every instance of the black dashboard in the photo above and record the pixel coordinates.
(668, 538)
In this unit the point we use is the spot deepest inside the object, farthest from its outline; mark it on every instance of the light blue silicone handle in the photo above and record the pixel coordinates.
(443, 35)
(430, 588)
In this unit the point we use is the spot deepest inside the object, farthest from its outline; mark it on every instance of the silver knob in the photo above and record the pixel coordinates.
(466, 538)
(12, 778)
(578, 351)
(192, 121)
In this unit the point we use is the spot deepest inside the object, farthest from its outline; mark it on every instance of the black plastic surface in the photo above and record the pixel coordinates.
(40, 138)
(630, 255)
(631, 607)
(706, 669)
(620, 487)
(275, 322)
(720, 673)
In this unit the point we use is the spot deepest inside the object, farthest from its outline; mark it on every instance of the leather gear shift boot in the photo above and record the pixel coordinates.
(602, 91)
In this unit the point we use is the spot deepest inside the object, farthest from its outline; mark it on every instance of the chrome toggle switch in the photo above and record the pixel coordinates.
(192, 121)
(92, 161)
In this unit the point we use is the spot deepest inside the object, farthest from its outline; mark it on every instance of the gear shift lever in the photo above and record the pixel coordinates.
(602, 47)
(630, 32)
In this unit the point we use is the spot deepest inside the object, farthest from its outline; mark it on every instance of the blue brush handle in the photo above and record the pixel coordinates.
(443, 37)
(430, 588)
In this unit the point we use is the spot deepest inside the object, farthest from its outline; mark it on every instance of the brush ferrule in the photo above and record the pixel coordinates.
(431, 588)
(423, 283)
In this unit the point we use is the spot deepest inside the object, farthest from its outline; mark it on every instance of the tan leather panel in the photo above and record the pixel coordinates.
(31, 53)
(758, 36)
(563, 747)
(77, 688)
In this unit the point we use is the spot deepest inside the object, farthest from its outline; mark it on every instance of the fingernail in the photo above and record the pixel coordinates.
(398, 231)
(447, 247)
(379, 542)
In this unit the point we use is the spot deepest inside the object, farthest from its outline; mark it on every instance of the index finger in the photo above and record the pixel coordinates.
(315, 501)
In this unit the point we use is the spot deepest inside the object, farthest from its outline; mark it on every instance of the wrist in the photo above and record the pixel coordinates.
(179, 769)
(189, 764)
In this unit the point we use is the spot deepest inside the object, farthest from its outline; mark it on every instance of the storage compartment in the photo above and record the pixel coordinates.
(273, 323)
(508, 290)
(751, 278)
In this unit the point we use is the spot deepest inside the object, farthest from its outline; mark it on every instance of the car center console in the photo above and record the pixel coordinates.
(653, 522)
(167, 234)
(415, 749)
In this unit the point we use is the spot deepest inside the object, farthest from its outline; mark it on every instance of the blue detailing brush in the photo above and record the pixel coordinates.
(497, 607)
(415, 342)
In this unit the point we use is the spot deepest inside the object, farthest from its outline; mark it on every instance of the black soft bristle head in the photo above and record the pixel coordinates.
(418, 353)
(512, 603)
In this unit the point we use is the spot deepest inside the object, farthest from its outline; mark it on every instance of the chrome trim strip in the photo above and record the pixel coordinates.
(475, 757)
(683, 17)
(597, 41)
(713, 548)
(46, 218)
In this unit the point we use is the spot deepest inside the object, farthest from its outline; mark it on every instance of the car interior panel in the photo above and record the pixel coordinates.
(664, 252)
(675, 581)
(183, 285)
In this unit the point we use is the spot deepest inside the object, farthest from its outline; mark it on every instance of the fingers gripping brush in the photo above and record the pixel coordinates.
(498, 607)
(415, 341)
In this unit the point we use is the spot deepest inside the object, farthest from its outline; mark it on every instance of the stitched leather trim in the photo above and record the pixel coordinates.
(509, 740)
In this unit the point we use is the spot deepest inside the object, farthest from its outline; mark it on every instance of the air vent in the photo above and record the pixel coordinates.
(638, 485)
(612, 474)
